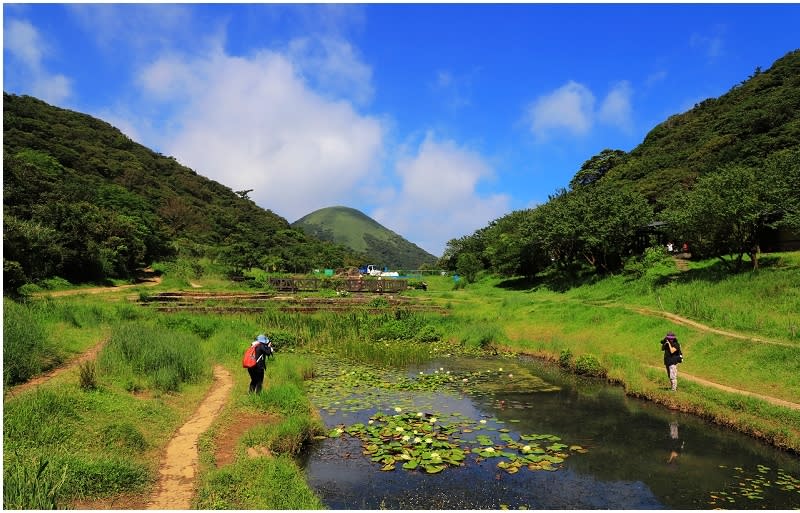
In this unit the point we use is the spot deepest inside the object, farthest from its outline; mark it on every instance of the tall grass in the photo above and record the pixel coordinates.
(32, 485)
(258, 483)
(164, 358)
(27, 348)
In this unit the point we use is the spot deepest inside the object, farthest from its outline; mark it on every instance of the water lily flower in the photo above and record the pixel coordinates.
(419, 414)
(500, 370)
(421, 373)
(398, 409)
(417, 440)
(441, 368)
(428, 440)
(371, 421)
(464, 380)
(399, 429)
(483, 421)
(526, 448)
(406, 438)
(489, 449)
(434, 455)
(510, 375)
(433, 419)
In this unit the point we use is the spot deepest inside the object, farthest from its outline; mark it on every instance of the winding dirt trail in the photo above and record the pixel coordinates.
(91, 354)
(179, 464)
(772, 400)
(148, 282)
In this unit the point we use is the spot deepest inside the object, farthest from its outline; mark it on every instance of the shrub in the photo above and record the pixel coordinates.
(589, 365)
(428, 333)
(393, 330)
(87, 377)
(565, 359)
(124, 437)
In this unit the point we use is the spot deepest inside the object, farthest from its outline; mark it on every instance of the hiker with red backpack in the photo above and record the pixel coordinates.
(672, 357)
(255, 361)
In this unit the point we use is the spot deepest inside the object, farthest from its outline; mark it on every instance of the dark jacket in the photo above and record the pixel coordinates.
(671, 358)
(262, 352)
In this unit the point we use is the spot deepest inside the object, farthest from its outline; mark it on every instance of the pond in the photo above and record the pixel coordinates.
(497, 433)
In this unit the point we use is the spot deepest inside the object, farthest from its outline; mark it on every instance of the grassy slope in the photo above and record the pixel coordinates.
(602, 320)
(352, 228)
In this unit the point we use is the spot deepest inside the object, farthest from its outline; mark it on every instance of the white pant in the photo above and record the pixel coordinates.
(672, 372)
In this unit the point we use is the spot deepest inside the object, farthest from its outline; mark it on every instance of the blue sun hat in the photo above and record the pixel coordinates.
(261, 338)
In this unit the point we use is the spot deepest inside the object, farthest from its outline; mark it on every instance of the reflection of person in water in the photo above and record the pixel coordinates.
(675, 443)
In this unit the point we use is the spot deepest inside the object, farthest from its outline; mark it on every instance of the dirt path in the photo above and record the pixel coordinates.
(699, 326)
(149, 282)
(91, 354)
(178, 470)
(771, 400)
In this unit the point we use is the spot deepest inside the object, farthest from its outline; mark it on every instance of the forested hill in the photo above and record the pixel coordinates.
(757, 117)
(363, 234)
(84, 202)
(722, 177)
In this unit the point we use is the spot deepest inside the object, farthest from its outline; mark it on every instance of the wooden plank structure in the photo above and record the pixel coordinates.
(349, 284)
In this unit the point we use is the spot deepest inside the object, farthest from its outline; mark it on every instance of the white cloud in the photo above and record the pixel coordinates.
(711, 45)
(24, 43)
(253, 123)
(438, 198)
(454, 90)
(332, 63)
(616, 108)
(655, 78)
(568, 108)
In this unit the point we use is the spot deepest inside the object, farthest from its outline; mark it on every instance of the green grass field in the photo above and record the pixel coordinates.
(98, 432)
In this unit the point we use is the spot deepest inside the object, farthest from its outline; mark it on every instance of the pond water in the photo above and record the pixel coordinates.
(496, 433)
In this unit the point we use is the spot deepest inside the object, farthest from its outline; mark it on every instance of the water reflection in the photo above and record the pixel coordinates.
(640, 456)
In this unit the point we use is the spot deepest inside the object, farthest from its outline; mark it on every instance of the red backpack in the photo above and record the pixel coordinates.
(249, 359)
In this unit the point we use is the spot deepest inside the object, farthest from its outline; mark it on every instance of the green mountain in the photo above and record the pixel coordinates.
(354, 229)
(756, 118)
(722, 177)
(84, 202)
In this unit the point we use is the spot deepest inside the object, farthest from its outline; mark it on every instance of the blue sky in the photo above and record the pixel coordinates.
(434, 119)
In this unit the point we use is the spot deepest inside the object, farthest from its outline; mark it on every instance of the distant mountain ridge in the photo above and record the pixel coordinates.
(352, 228)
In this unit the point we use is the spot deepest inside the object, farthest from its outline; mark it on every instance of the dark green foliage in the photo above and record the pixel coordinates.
(428, 333)
(756, 118)
(83, 201)
(468, 265)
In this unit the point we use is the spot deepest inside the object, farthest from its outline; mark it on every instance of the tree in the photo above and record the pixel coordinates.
(721, 216)
(468, 266)
(594, 169)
